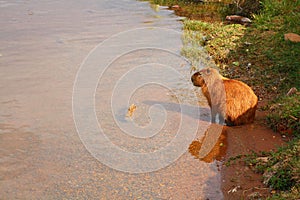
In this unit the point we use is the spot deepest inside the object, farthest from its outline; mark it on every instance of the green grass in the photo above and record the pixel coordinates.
(217, 39)
(279, 15)
(280, 169)
(283, 195)
(281, 172)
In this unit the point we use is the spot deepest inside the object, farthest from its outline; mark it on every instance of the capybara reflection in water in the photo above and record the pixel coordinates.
(232, 101)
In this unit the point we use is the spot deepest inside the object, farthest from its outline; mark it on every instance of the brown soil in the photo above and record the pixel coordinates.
(238, 180)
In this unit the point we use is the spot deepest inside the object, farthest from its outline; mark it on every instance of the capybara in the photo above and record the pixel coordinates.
(232, 101)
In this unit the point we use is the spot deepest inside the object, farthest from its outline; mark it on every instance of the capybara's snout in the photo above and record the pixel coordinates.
(193, 77)
(197, 80)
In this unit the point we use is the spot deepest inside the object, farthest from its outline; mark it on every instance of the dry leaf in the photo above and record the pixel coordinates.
(131, 109)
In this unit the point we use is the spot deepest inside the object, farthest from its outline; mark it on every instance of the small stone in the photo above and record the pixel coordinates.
(293, 37)
(237, 18)
(273, 192)
(176, 7)
(235, 189)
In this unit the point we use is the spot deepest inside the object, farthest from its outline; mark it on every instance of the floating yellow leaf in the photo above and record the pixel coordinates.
(131, 109)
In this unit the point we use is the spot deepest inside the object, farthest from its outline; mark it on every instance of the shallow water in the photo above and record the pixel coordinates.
(42, 46)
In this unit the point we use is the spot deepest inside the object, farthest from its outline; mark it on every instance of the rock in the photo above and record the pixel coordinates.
(235, 189)
(237, 18)
(292, 91)
(176, 7)
(293, 37)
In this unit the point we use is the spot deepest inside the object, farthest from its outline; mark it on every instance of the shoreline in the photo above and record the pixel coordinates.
(256, 54)
(239, 181)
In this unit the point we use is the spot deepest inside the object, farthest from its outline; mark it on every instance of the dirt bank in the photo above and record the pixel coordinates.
(238, 180)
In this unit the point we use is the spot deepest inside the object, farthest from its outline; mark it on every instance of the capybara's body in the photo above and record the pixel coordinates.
(232, 101)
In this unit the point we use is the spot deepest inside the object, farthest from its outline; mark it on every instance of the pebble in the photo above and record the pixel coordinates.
(175, 6)
(238, 18)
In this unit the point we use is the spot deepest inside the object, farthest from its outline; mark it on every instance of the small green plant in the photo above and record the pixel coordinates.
(281, 168)
(232, 160)
(284, 115)
(293, 194)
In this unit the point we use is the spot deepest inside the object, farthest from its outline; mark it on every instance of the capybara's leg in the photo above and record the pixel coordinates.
(216, 115)
(221, 119)
(213, 115)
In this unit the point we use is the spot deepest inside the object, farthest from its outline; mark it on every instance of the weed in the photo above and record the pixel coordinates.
(284, 115)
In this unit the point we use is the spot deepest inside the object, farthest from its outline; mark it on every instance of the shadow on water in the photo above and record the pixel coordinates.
(189, 110)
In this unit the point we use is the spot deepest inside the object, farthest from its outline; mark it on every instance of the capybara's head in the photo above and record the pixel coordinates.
(197, 79)
(203, 75)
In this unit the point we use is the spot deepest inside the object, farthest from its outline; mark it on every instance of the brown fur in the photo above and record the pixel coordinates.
(233, 100)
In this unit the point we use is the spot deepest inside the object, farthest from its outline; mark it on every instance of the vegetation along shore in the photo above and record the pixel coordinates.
(264, 52)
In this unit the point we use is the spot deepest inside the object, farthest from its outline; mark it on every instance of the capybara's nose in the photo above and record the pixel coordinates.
(193, 78)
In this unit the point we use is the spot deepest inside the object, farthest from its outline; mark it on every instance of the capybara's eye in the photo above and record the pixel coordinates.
(208, 71)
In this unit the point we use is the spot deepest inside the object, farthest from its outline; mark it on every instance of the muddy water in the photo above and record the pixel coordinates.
(42, 45)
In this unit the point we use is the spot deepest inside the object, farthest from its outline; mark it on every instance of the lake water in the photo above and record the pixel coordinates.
(52, 105)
